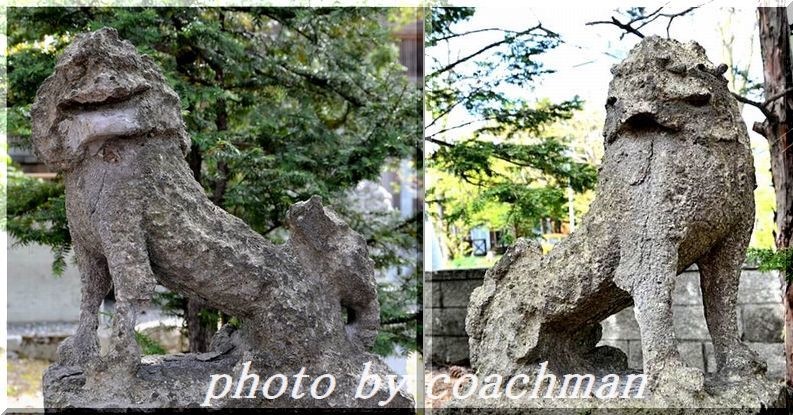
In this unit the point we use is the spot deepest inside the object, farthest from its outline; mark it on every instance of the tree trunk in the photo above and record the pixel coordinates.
(199, 334)
(778, 75)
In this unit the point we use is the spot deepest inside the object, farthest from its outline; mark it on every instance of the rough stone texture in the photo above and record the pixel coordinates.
(752, 396)
(107, 120)
(675, 188)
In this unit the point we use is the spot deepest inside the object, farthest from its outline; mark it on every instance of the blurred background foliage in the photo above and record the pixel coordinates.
(509, 163)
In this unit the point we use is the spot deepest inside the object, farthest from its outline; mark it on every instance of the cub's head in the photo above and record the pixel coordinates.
(665, 86)
(321, 231)
(102, 89)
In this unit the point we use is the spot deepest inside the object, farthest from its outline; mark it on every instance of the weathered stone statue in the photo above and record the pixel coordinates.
(675, 188)
(107, 120)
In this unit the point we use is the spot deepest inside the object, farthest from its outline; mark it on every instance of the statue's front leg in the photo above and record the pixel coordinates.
(133, 280)
(720, 274)
(647, 270)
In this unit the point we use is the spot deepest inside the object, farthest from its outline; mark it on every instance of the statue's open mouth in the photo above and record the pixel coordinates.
(101, 114)
(645, 122)
(88, 127)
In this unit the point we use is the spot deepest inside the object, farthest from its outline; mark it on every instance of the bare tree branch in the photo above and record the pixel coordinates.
(676, 15)
(629, 27)
(470, 32)
(649, 18)
(776, 96)
(624, 26)
(759, 105)
(452, 106)
(458, 126)
(439, 142)
(488, 47)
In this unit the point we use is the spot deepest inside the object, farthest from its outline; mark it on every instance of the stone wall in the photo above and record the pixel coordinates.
(35, 295)
(760, 317)
(445, 303)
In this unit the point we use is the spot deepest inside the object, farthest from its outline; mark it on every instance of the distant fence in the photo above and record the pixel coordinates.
(760, 319)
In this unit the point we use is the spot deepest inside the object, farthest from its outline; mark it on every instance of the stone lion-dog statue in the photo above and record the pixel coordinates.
(107, 120)
(675, 188)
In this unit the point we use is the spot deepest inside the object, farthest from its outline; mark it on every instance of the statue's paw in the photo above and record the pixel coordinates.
(678, 381)
(77, 350)
(66, 352)
(742, 361)
(362, 338)
(123, 355)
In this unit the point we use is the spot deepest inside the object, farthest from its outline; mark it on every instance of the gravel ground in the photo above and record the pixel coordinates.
(441, 389)
(24, 382)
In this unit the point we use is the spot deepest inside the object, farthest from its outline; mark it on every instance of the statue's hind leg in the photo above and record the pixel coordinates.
(720, 271)
(83, 347)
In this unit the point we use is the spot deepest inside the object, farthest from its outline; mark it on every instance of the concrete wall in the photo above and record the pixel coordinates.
(34, 293)
(446, 295)
(760, 316)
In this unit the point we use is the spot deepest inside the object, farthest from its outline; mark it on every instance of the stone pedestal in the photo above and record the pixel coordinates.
(748, 396)
(183, 380)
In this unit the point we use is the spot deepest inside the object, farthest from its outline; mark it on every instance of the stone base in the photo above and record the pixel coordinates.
(749, 396)
(182, 381)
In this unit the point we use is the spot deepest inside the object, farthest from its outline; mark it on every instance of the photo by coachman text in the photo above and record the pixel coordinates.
(278, 385)
(545, 385)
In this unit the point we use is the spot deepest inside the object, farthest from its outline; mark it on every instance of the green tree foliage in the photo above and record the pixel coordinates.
(281, 104)
(36, 212)
(498, 165)
(148, 346)
(772, 260)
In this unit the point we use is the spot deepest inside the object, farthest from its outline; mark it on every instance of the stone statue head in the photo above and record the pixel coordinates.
(322, 231)
(102, 89)
(669, 87)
